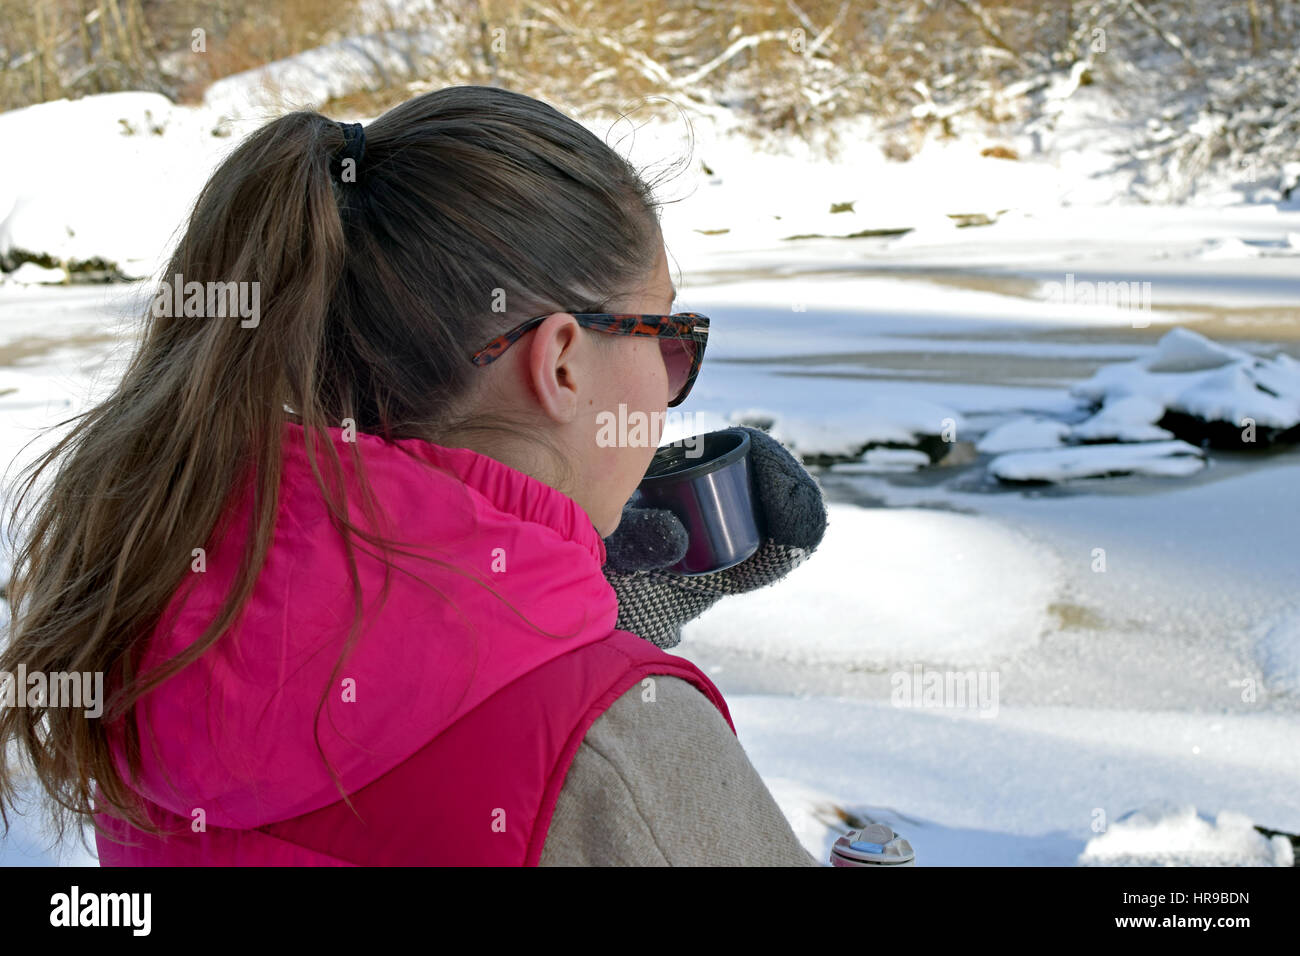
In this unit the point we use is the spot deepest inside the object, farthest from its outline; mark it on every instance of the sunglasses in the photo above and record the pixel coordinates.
(682, 337)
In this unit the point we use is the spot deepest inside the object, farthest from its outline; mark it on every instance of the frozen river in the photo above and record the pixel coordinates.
(1143, 685)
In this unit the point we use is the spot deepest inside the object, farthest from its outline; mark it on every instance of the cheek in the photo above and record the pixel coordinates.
(652, 395)
(636, 378)
(638, 381)
(652, 377)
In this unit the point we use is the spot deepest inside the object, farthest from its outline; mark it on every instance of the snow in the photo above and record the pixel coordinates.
(1238, 393)
(1161, 459)
(840, 435)
(1139, 707)
(878, 460)
(1186, 372)
(1027, 788)
(1229, 247)
(1021, 433)
(29, 273)
(1190, 374)
(1123, 420)
(892, 584)
(50, 203)
(311, 79)
(1278, 650)
(1129, 419)
(1164, 834)
(54, 199)
(1182, 350)
(843, 431)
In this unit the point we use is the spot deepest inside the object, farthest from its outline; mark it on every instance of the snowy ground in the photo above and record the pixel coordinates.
(1146, 702)
(1134, 642)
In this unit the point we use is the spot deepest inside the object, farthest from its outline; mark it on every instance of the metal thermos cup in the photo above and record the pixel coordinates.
(712, 494)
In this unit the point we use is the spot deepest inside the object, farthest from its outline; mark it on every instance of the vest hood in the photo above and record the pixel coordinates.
(233, 734)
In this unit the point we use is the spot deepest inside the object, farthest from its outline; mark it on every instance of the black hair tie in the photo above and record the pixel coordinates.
(354, 147)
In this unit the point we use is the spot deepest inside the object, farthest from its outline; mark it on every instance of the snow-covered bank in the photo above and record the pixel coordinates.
(81, 198)
(112, 179)
(894, 585)
(1028, 787)
(1166, 834)
(313, 78)
(1225, 395)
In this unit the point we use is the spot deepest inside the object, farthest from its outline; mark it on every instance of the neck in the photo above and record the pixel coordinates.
(516, 446)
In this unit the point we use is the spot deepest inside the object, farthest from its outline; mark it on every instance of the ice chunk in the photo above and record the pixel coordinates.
(1207, 382)
(1182, 350)
(1021, 433)
(1129, 419)
(1163, 458)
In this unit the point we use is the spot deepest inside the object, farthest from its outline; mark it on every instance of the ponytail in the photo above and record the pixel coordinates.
(294, 291)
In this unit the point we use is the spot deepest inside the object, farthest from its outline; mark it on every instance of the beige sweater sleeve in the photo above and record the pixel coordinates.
(666, 783)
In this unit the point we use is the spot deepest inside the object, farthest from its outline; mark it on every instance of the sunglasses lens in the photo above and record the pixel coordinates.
(679, 357)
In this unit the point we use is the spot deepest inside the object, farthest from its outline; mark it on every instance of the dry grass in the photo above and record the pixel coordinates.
(791, 65)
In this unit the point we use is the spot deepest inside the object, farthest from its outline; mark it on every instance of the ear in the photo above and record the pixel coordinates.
(553, 365)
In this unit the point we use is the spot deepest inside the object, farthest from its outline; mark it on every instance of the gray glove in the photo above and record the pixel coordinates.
(654, 603)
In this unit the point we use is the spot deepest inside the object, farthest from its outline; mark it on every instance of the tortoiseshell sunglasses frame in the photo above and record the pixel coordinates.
(679, 325)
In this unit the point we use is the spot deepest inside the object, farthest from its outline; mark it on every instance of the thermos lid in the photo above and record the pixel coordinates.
(875, 844)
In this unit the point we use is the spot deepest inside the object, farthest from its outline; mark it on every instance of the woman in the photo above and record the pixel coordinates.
(341, 560)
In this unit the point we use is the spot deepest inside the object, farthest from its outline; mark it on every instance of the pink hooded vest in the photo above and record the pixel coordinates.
(451, 724)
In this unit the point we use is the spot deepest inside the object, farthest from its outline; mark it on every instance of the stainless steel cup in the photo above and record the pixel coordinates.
(711, 494)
